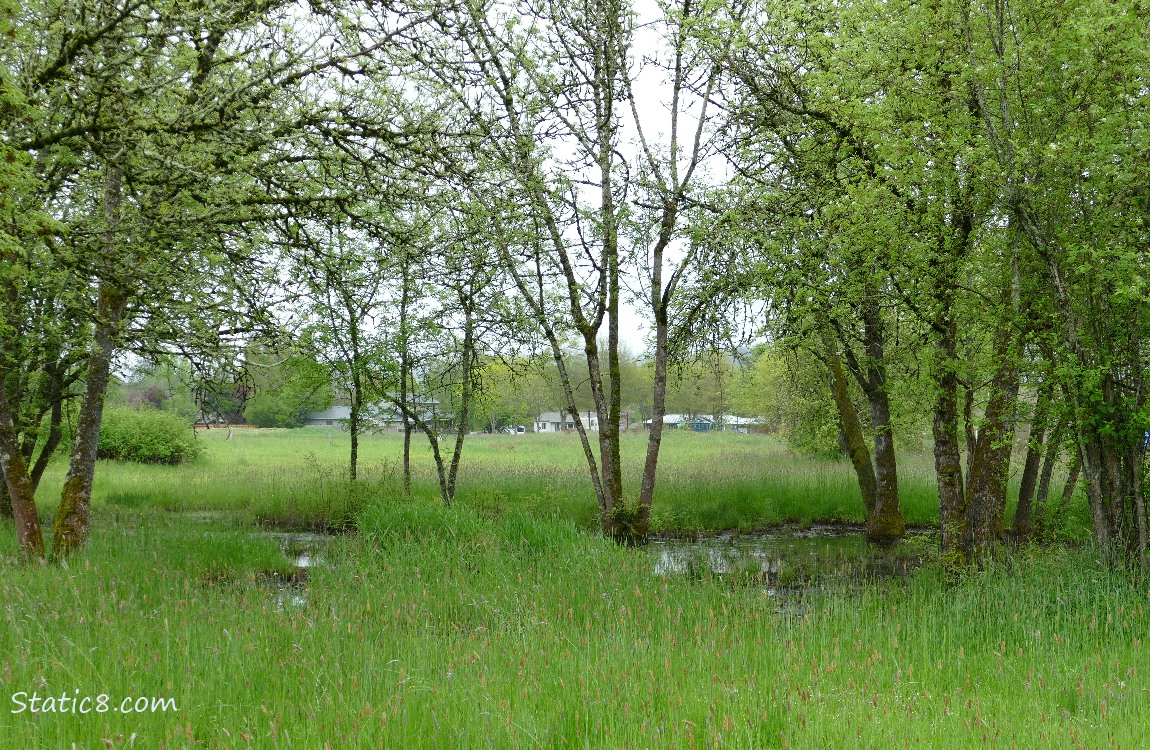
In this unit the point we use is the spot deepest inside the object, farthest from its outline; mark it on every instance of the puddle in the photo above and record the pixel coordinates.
(303, 549)
(791, 560)
(205, 516)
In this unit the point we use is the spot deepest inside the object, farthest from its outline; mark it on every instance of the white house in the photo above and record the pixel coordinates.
(554, 421)
(704, 423)
(336, 416)
(376, 417)
(742, 424)
(685, 421)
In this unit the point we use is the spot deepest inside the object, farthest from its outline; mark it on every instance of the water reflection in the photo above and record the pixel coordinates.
(790, 557)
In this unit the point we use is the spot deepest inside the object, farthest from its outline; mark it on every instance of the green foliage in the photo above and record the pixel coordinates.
(147, 436)
(789, 390)
(167, 386)
(287, 391)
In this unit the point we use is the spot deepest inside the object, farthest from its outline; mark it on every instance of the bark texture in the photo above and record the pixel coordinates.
(21, 493)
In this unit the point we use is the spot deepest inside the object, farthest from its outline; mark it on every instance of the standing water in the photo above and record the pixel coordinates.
(790, 558)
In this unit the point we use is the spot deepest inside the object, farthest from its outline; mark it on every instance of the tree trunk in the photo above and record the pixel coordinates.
(464, 403)
(353, 428)
(55, 435)
(990, 460)
(1092, 471)
(617, 524)
(660, 299)
(948, 456)
(658, 411)
(854, 438)
(405, 370)
(1072, 476)
(1140, 520)
(1023, 525)
(73, 515)
(1053, 446)
(19, 485)
(884, 523)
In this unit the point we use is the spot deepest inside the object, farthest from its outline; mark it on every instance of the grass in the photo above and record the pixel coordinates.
(501, 623)
(437, 628)
(706, 482)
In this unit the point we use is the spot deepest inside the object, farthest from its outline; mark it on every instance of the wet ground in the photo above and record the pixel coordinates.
(305, 551)
(786, 561)
(791, 558)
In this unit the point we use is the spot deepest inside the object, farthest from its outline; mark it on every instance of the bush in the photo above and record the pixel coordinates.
(146, 436)
(268, 410)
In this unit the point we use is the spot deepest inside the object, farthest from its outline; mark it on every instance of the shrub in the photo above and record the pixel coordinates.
(146, 436)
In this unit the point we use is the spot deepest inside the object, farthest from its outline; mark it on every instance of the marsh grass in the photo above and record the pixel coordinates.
(456, 628)
(706, 482)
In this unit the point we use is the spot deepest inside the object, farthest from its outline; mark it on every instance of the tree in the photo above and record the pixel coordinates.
(139, 118)
(286, 389)
(1061, 90)
(547, 93)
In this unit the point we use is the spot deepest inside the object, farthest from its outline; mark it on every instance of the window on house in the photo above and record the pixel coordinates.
(330, 422)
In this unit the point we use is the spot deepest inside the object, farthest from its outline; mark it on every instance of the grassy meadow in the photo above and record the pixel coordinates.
(706, 482)
(501, 623)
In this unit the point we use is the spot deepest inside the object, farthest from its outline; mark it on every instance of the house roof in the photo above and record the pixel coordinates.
(681, 418)
(563, 416)
(741, 421)
(335, 412)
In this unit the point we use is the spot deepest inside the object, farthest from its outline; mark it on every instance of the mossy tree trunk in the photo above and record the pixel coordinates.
(851, 427)
(1050, 457)
(877, 472)
(1036, 447)
(405, 365)
(19, 487)
(72, 523)
(990, 464)
(73, 515)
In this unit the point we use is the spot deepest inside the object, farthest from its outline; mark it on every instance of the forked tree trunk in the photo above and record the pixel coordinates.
(852, 430)
(1053, 447)
(1023, 526)
(948, 455)
(73, 515)
(19, 485)
(885, 523)
(878, 474)
(990, 463)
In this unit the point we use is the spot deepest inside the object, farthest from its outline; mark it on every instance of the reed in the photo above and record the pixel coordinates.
(457, 628)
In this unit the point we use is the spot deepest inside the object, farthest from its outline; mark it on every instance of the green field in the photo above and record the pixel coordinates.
(706, 481)
(502, 623)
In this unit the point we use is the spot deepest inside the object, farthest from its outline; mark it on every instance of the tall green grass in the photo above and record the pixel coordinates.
(456, 628)
(706, 481)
